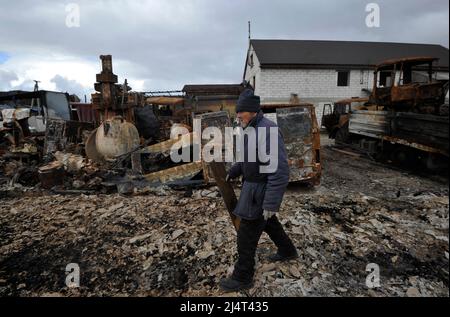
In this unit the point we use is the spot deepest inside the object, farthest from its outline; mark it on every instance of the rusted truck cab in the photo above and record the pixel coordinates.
(298, 124)
(337, 117)
(407, 84)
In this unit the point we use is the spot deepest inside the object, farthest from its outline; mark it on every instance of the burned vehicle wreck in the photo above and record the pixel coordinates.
(34, 125)
(404, 120)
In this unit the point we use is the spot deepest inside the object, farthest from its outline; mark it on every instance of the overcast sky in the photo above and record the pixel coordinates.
(165, 44)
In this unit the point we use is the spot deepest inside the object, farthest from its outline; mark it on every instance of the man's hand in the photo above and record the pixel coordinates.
(268, 214)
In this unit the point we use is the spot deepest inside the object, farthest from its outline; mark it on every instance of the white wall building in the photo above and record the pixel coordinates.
(324, 71)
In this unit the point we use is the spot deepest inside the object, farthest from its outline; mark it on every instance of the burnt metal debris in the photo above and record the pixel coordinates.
(121, 140)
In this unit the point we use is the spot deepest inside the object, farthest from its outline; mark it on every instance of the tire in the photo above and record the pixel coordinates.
(342, 135)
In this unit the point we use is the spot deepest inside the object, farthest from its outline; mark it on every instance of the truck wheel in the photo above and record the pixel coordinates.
(435, 163)
(342, 135)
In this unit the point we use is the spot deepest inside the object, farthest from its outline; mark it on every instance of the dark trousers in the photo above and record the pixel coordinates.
(247, 238)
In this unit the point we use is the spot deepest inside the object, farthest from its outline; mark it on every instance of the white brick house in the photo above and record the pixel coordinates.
(324, 71)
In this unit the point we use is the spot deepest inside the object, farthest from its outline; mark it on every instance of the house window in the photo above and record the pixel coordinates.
(251, 61)
(343, 78)
(254, 82)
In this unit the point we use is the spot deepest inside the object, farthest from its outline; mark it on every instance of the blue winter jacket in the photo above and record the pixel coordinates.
(261, 191)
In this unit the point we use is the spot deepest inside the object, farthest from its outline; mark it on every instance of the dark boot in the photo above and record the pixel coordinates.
(286, 250)
(232, 285)
(280, 258)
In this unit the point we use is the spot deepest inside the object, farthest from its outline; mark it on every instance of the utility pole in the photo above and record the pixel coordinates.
(249, 31)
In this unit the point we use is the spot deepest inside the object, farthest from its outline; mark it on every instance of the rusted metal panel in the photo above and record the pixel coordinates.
(413, 92)
(369, 123)
(86, 112)
(164, 147)
(181, 172)
(429, 131)
(430, 91)
(302, 140)
(415, 145)
(60, 133)
(170, 101)
(403, 93)
(221, 120)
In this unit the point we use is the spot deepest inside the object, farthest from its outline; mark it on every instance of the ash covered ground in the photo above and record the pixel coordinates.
(161, 243)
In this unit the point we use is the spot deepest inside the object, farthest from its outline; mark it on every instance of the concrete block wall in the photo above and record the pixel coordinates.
(317, 84)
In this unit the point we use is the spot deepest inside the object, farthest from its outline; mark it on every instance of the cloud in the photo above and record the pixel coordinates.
(20, 71)
(71, 86)
(161, 45)
(6, 78)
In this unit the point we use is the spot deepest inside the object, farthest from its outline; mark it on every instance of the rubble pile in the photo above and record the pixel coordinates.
(338, 236)
(160, 241)
(67, 174)
(158, 244)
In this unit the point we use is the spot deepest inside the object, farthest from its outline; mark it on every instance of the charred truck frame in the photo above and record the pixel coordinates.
(405, 119)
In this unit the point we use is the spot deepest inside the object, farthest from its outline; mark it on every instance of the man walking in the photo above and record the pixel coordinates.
(260, 198)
